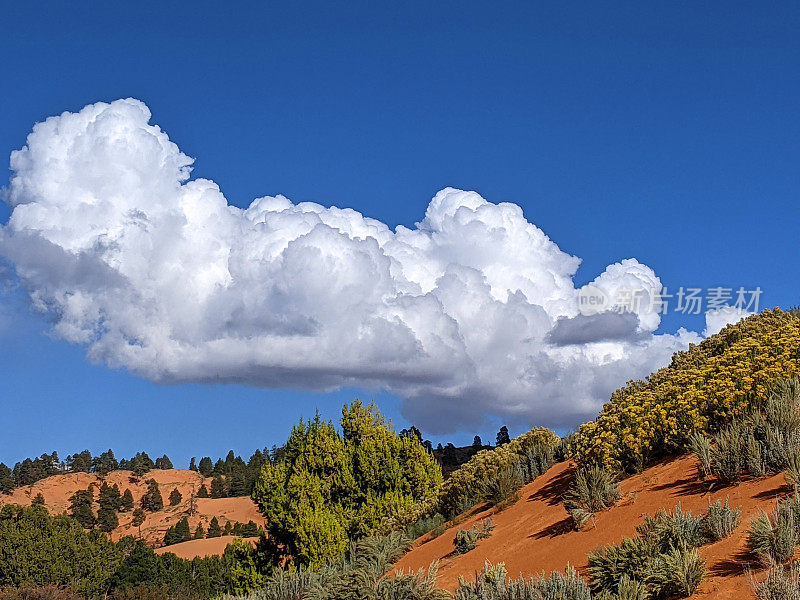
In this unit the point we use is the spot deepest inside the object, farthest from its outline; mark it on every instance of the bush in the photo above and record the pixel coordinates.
(725, 377)
(701, 447)
(593, 489)
(679, 572)
(675, 530)
(359, 575)
(467, 539)
(781, 583)
(492, 584)
(503, 486)
(463, 489)
(721, 519)
(662, 561)
(423, 526)
(774, 537)
(33, 592)
(536, 460)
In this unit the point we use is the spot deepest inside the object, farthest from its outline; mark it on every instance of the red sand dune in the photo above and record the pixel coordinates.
(534, 534)
(58, 489)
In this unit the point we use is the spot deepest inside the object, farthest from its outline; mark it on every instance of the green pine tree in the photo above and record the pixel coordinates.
(214, 530)
(126, 504)
(6, 479)
(199, 533)
(152, 500)
(38, 500)
(218, 487)
(182, 531)
(138, 519)
(175, 497)
(206, 466)
(202, 492)
(81, 508)
(107, 519)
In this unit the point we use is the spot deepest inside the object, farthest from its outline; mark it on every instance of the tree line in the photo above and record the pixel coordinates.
(232, 476)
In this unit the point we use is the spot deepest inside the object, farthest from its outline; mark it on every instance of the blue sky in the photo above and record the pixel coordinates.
(667, 132)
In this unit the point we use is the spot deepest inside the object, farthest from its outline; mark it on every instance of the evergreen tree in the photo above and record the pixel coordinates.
(6, 479)
(202, 492)
(163, 463)
(138, 519)
(107, 519)
(217, 487)
(502, 436)
(38, 500)
(141, 464)
(477, 443)
(81, 508)
(249, 530)
(37, 549)
(105, 463)
(80, 463)
(193, 464)
(427, 445)
(228, 529)
(152, 500)
(170, 537)
(206, 466)
(332, 487)
(214, 530)
(126, 504)
(219, 467)
(199, 533)
(240, 484)
(182, 531)
(175, 497)
(109, 497)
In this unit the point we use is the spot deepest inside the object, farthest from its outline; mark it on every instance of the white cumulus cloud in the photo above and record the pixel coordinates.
(471, 312)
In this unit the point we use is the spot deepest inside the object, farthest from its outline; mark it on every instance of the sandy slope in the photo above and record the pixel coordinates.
(534, 534)
(58, 489)
(199, 548)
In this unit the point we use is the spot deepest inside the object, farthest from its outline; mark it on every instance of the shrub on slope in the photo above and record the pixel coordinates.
(702, 389)
(531, 453)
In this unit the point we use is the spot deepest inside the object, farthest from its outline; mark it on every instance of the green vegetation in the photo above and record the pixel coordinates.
(725, 377)
(774, 537)
(236, 477)
(152, 499)
(493, 584)
(780, 583)
(330, 488)
(663, 560)
(765, 441)
(360, 574)
(593, 489)
(465, 488)
(175, 497)
(467, 539)
(37, 549)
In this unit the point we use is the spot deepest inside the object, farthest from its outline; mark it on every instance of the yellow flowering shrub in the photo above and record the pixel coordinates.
(702, 389)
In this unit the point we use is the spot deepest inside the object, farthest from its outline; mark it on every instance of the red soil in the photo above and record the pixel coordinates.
(200, 548)
(534, 534)
(58, 489)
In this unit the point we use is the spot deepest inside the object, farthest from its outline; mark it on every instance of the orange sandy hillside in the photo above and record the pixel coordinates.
(58, 489)
(200, 548)
(534, 534)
